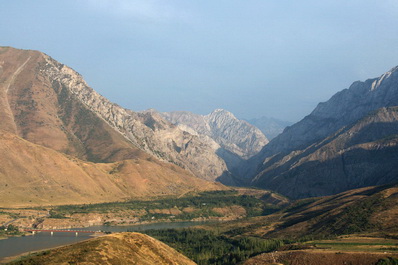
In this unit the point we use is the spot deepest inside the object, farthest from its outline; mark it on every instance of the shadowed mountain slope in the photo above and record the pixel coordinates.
(362, 154)
(348, 142)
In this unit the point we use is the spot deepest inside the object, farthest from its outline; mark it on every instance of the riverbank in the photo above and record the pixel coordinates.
(29, 253)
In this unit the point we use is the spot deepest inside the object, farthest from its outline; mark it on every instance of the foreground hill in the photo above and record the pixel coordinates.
(48, 103)
(124, 248)
(345, 143)
(32, 174)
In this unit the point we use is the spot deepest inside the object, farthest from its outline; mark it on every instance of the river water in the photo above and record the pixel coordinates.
(17, 245)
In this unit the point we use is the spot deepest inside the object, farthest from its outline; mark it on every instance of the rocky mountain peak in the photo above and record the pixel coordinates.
(234, 135)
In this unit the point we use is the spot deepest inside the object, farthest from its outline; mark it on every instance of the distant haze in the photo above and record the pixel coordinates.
(254, 58)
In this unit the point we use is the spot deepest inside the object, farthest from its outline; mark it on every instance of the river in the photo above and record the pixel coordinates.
(17, 245)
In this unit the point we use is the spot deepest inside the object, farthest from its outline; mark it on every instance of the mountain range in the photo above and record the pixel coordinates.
(345, 143)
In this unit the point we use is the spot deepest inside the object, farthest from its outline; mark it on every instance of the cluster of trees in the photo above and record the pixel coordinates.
(10, 230)
(208, 247)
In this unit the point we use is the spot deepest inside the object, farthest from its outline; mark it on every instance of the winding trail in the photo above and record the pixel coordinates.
(15, 74)
(4, 99)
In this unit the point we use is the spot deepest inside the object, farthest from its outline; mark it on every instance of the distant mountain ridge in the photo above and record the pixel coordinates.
(271, 127)
(345, 143)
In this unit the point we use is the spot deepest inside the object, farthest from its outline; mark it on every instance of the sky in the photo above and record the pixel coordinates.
(254, 57)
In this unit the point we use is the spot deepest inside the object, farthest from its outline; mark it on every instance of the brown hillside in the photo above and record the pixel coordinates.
(44, 112)
(31, 175)
(124, 248)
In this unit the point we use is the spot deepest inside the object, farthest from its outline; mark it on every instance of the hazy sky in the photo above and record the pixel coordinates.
(254, 57)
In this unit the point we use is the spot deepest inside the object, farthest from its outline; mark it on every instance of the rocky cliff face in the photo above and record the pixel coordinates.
(234, 140)
(348, 142)
(50, 104)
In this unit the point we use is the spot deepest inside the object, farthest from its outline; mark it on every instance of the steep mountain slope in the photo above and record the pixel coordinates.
(124, 248)
(337, 147)
(271, 127)
(343, 108)
(32, 175)
(50, 104)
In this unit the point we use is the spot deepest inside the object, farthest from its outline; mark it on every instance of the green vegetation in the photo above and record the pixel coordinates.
(56, 215)
(356, 218)
(202, 205)
(10, 230)
(209, 247)
(388, 261)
